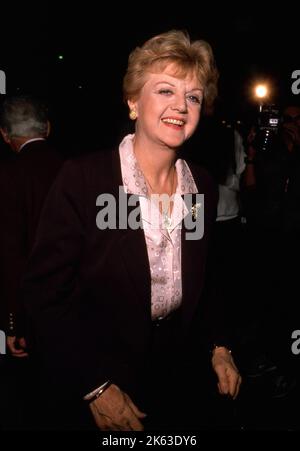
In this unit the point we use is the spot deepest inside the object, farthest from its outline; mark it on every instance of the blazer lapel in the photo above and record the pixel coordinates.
(134, 253)
(191, 254)
(133, 244)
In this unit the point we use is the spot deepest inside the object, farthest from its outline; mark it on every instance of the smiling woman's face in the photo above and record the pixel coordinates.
(168, 108)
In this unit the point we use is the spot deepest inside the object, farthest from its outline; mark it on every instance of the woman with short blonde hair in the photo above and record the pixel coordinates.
(122, 291)
(174, 47)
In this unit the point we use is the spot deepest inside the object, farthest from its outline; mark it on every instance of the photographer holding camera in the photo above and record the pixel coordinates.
(272, 171)
(271, 184)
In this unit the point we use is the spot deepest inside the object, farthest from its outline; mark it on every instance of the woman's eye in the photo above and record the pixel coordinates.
(165, 92)
(195, 99)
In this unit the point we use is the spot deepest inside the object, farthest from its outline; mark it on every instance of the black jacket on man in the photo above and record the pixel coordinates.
(25, 182)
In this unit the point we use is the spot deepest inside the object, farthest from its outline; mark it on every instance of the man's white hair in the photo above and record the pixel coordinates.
(23, 116)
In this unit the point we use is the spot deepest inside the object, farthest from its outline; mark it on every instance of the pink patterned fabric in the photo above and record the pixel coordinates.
(162, 233)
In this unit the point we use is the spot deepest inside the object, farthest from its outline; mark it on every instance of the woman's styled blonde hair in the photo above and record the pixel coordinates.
(174, 47)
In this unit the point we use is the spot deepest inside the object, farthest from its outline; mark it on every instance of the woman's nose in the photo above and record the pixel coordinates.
(179, 105)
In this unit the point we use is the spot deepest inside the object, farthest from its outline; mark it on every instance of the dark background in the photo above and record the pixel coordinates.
(84, 89)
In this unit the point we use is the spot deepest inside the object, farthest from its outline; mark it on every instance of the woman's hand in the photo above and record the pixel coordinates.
(229, 379)
(115, 411)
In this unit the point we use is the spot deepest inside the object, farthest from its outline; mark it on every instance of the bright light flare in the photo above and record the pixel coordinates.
(261, 91)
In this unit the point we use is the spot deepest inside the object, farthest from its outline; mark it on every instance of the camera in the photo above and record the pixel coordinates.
(268, 125)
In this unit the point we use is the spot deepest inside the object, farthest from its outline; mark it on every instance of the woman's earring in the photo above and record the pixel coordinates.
(132, 115)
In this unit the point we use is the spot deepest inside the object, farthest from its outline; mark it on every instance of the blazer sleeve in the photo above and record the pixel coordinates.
(50, 285)
(13, 251)
(214, 313)
(219, 311)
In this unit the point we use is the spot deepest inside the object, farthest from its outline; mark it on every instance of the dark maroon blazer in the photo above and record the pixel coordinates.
(88, 291)
(24, 183)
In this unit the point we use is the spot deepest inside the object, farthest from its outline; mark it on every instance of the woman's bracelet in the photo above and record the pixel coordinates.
(94, 395)
(221, 346)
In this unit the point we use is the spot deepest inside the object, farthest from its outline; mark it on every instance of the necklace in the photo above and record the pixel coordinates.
(165, 204)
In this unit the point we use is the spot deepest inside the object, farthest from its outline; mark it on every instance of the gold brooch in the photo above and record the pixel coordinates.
(194, 210)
